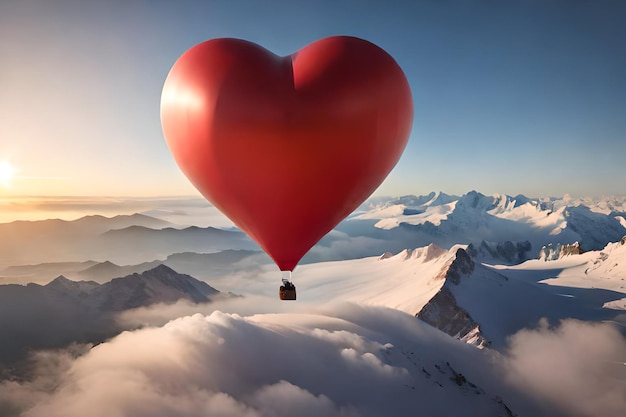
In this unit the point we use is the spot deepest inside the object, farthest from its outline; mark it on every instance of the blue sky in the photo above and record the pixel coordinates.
(510, 96)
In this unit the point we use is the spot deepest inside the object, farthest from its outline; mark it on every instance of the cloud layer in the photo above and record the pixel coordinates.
(344, 361)
(578, 367)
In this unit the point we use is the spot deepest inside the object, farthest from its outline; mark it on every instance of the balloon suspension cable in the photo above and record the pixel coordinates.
(286, 276)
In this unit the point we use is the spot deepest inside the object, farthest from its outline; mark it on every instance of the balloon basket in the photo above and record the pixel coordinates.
(287, 291)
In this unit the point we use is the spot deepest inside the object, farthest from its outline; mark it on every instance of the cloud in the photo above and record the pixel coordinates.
(578, 367)
(346, 247)
(340, 360)
(157, 315)
(41, 375)
(344, 361)
(281, 398)
(185, 211)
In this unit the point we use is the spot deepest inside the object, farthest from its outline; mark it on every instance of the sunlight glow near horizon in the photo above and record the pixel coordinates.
(6, 174)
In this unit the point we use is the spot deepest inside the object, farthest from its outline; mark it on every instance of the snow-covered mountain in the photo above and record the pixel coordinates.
(473, 218)
(444, 312)
(458, 292)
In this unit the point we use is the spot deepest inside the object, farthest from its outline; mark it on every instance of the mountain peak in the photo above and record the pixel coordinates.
(63, 284)
(161, 269)
(160, 284)
(166, 275)
(428, 253)
(61, 279)
(457, 266)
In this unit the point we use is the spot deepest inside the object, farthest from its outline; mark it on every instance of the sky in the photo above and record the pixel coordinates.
(516, 97)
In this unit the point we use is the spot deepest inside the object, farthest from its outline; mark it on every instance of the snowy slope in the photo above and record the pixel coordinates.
(501, 300)
(432, 208)
(602, 270)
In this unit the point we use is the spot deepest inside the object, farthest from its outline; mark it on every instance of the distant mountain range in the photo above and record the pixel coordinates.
(446, 220)
(120, 239)
(204, 265)
(65, 311)
(508, 229)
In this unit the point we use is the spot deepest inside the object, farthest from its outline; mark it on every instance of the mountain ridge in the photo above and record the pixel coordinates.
(475, 217)
(65, 311)
(443, 311)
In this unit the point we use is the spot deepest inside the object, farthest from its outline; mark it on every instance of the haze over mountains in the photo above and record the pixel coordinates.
(468, 266)
(120, 239)
(64, 311)
(381, 225)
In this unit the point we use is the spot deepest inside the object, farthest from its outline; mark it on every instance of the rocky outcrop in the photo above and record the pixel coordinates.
(608, 261)
(553, 252)
(460, 264)
(385, 255)
(508, 251)
(573, 249)
(443, 311)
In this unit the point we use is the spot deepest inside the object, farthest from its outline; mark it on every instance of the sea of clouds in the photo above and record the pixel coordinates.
(339, 360)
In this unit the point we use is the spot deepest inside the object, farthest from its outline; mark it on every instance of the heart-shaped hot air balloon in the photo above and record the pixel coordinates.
(286, 147)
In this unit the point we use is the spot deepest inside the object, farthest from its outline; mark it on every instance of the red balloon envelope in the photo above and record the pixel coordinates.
(286, 147)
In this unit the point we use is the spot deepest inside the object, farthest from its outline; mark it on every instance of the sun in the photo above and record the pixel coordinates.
(6, 173)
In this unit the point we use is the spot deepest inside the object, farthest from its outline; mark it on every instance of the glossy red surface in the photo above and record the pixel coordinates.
(286, 147)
